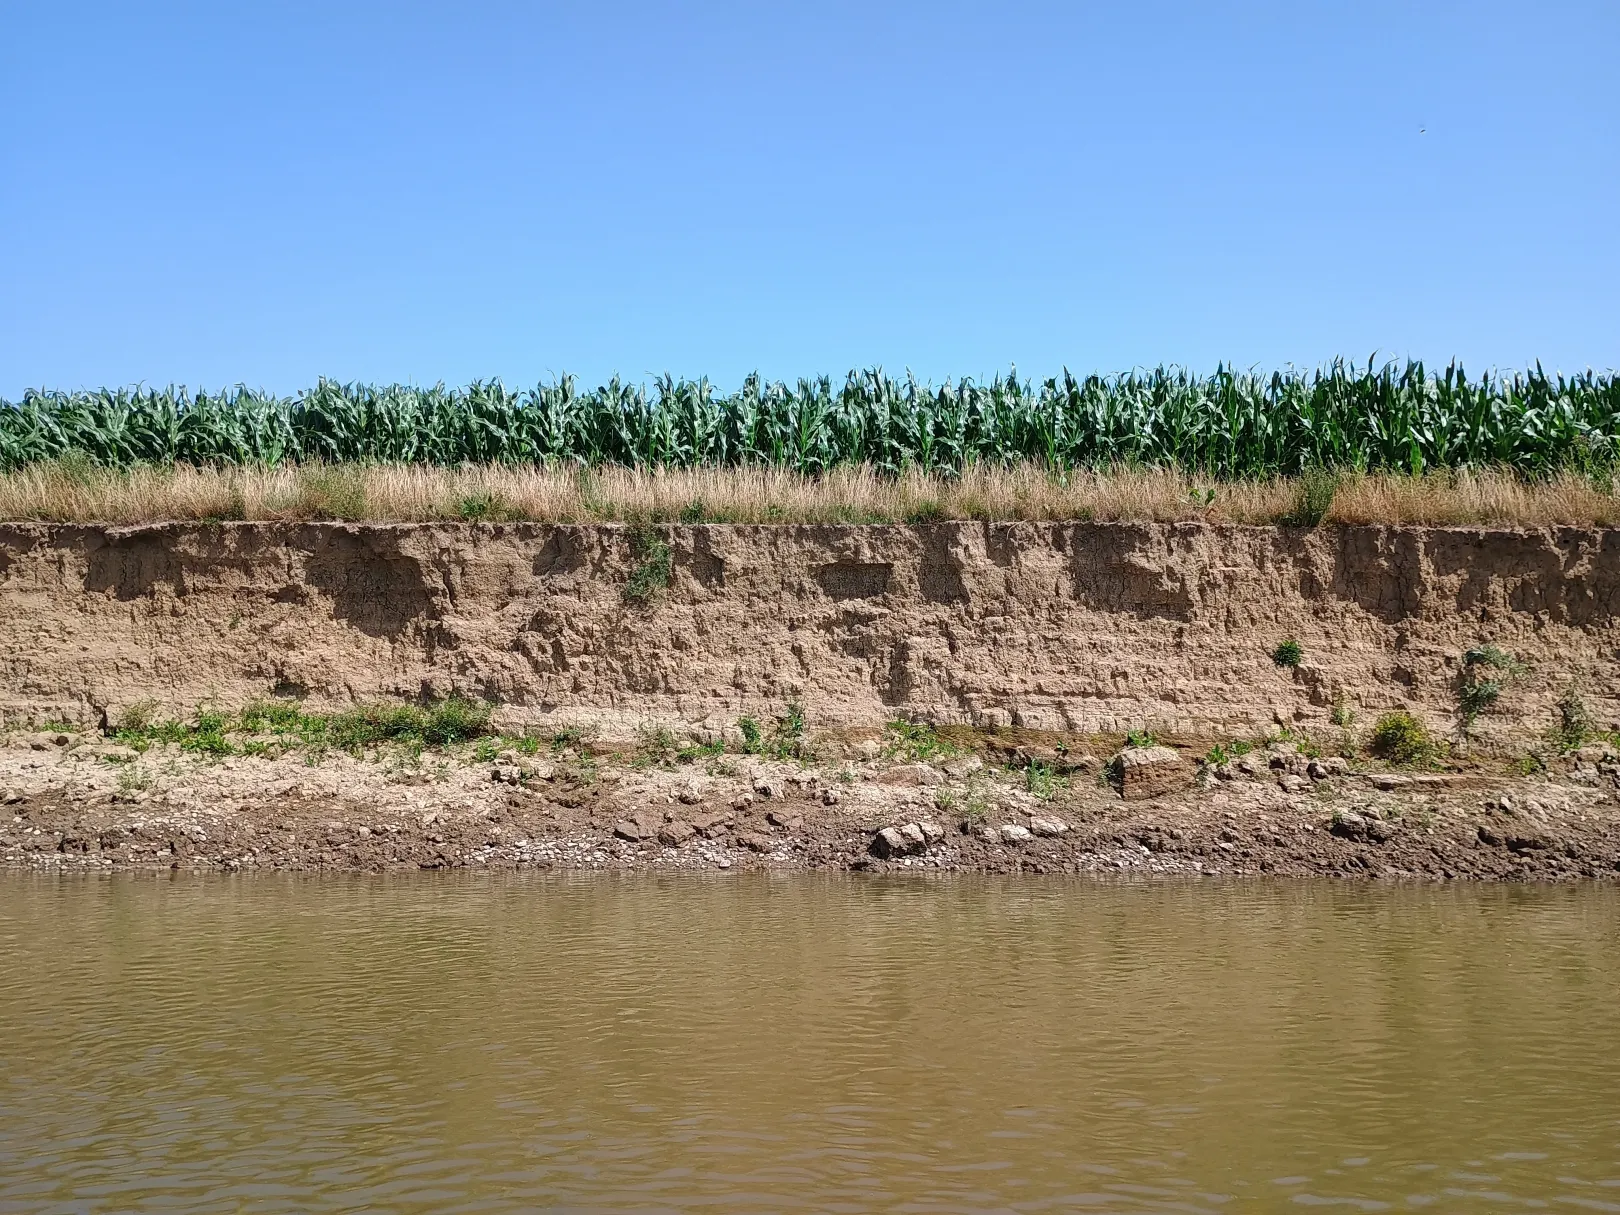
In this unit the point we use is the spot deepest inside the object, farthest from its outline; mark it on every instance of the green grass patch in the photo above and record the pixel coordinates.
(252, 730)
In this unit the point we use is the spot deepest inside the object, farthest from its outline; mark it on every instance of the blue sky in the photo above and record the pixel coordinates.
(215, 193)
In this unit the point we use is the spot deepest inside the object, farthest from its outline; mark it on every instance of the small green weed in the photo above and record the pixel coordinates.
(1140, 738)
(1313, 499)
(1342, 714)
(915, 742)
(1572, 722)
(1216, 756)
(1042, 782)
(1530, 764)
(787, 739)
(654, 566)
(1477, 691)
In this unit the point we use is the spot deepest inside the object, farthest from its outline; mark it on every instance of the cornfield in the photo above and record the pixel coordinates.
(1230, 425)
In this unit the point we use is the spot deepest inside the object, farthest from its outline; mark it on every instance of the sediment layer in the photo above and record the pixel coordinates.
(1070, 627)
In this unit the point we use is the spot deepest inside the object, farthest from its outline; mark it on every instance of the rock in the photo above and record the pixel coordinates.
(907, 840)
(932, 832)
(1364, 828)
(754, 842)
(987, 833)
(691, 793)
(742, 801)
(1520, 837)
(119, 754)
(869, 749)
(1048, 827)
(629, 830)
(777, 818)
(1288, 782)
(767, 788)
(912, 775)
(830, 796)
(711, 825)
(1086, 762)
(1389, 781)
(1012, 833)
(673, 835)
(962, 766)
(1248, 765)
(1151, 772)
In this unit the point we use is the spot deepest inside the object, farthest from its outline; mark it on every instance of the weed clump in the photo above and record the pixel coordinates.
(787, 740)
(1486, 670)
(1400, 738)
(1314, 498)
(1288, 653)
(1572, 722)
(915, 742)
(654, 565)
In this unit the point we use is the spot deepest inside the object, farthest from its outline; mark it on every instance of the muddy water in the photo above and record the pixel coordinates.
(751, 1044)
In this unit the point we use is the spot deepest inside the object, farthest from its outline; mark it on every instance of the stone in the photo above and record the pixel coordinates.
(932, 832)
(830, 796)
(673, 835)
(711, 825)
(629, 830)
(906, 840)
(767, 788)
(1290, 782)
(1364, 828)
(754, 842)
(1048, 827)
(913, 775)
(1151, 772)
(1012, 833)
(962, 766)
(777, 818)
(869, 749)
(691, 793)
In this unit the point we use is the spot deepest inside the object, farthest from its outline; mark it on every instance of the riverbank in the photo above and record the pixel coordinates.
(908, 801)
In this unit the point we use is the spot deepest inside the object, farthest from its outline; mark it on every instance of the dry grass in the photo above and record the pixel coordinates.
(73, 493)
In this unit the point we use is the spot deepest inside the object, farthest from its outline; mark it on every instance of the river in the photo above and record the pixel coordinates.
(750, 1043)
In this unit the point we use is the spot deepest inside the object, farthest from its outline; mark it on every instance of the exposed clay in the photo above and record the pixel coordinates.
(1083, 627)
(75, 803)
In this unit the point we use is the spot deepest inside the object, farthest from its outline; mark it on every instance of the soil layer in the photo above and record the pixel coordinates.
(1077, 627)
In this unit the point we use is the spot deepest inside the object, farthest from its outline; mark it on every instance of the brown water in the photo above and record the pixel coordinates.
(752, 1044)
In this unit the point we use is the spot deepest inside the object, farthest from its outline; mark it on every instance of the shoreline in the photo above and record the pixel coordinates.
(74, 807)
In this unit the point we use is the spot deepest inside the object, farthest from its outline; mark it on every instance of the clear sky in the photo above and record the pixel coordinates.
(218, 192)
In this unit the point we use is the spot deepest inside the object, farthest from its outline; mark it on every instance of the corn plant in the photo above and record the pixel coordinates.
(1228, 425)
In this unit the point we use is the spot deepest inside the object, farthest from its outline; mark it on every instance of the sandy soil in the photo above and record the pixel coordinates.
(78, 802)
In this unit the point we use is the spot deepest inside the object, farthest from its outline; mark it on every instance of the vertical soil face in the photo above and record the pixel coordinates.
(1078, 627)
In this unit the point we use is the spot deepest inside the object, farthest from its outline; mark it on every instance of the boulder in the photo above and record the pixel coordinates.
(673, 835)
(1048, 827)
(907, 840)
(754, 842)
(1151, 772)
(1012, 833)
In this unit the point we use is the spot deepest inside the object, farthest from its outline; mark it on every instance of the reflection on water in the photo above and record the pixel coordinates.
(798, 1043)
